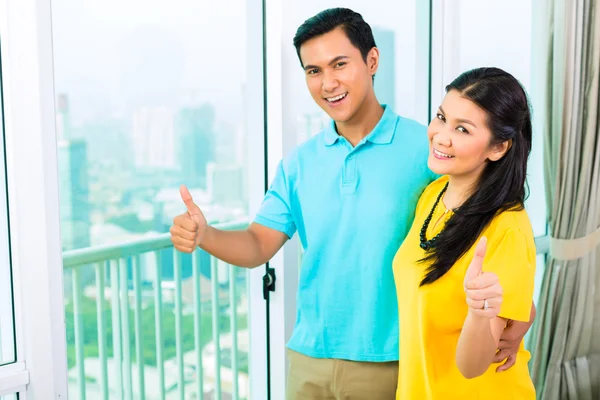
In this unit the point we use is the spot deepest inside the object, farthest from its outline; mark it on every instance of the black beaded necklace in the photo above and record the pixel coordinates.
(428, 244)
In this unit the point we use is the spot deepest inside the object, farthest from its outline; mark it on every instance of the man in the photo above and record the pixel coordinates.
(350, 192)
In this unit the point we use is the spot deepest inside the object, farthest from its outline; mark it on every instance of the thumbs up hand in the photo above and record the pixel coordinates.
(188, 228)
(483, 290)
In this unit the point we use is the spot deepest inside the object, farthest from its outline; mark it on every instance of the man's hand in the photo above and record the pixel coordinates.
(189, 228)
(511, 340)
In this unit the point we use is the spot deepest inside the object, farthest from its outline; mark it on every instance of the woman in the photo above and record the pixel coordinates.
(468, 264)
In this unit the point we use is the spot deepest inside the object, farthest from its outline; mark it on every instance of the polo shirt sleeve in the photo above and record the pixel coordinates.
(512, 258)
(275, 211)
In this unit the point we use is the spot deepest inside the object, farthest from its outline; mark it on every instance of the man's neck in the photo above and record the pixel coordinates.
(361, 123)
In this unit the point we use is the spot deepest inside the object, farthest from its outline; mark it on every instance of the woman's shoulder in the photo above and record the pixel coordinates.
(515, 220)
(434, 188)
(431, 193)
(512, 226)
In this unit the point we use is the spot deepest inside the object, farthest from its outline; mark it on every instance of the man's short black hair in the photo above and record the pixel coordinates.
(353, 24)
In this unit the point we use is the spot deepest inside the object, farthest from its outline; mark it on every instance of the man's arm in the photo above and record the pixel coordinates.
(510, 341)
(244, 248)
(478, 339)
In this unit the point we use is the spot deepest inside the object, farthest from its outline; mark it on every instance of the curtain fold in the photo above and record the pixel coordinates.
(565, 341)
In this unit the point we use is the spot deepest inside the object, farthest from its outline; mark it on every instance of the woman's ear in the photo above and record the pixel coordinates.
(499, 150)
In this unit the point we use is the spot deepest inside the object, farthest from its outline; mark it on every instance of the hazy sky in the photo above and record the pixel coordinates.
(114, 54)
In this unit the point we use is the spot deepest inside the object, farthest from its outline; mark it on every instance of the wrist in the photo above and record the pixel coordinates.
(205, 237)
(477, 316)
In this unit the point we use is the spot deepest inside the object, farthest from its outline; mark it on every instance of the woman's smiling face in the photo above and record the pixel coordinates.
(460, 141)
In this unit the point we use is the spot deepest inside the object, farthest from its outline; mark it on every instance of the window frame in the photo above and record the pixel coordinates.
(32, 182)
(32, 175)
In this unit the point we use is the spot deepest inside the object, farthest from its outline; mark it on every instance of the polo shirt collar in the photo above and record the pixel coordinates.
(331, 135)
(383, 133)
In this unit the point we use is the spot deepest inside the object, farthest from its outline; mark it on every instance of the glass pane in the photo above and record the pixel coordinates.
(10, 397)
(150, 95)
(7, 331)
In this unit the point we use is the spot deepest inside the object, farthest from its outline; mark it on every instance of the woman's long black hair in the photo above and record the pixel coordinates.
(501, 186)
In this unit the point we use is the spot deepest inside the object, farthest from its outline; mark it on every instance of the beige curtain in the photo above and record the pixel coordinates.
(565, 341)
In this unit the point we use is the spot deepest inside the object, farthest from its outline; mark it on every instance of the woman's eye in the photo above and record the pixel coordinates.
(462, 129)
(440, 117)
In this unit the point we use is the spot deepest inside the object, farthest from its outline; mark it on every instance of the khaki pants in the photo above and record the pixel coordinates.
(333, 379)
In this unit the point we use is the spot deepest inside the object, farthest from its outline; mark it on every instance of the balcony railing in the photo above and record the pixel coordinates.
(125, 281)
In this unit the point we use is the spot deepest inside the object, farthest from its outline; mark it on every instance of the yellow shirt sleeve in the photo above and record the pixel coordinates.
(512, 258)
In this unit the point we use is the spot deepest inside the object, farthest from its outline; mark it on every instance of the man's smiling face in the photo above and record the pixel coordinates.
(338, 77)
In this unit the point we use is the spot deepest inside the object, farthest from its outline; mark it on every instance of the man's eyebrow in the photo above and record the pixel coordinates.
(336, 59)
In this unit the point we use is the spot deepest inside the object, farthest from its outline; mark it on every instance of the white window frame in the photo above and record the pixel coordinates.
(445, 49)
(255, 123)
(282, 310)
(40, 370)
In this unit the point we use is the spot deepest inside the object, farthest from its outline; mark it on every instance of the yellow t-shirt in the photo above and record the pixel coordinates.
(432, 316)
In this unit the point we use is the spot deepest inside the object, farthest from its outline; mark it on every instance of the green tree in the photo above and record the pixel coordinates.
(89, 317)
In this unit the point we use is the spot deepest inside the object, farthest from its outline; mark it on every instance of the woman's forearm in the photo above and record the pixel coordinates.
(477, 345)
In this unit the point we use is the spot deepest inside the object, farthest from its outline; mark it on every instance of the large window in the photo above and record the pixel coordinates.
(7, 332)
(151, 95)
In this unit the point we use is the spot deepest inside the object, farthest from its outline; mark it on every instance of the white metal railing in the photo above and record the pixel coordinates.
(129, 379)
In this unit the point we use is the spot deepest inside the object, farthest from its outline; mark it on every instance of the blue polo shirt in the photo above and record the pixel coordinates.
(352, 208)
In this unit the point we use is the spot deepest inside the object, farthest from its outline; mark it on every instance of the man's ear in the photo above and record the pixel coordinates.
(499, 150)
(373, 60)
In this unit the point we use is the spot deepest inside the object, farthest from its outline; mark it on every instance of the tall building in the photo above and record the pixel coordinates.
(154, 142)
(74, 194)
(195, 127)
(225, 184)
(385, 79)
(109, 142)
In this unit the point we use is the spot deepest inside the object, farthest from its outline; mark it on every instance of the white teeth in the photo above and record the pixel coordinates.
(336, 98)
(439, 153)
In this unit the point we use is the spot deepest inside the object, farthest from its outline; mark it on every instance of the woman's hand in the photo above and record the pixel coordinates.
(483, 290)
